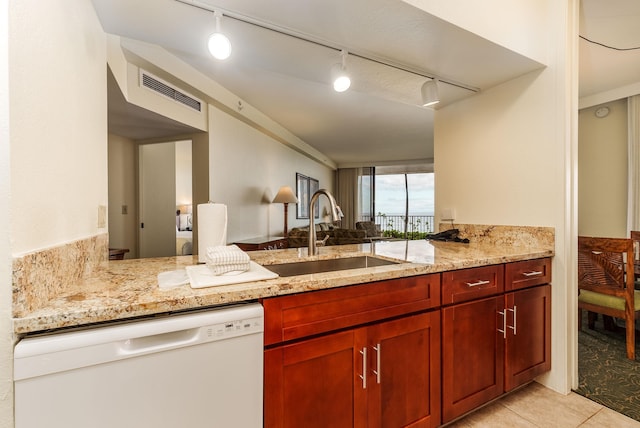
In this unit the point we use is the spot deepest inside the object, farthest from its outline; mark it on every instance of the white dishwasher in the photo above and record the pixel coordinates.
(199, 369)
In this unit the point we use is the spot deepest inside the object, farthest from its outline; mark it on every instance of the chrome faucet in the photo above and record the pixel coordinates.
(335, 216)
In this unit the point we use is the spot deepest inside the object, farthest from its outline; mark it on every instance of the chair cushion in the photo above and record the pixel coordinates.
(606, 300)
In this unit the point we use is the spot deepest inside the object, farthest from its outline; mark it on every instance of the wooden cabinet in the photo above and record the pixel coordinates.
(495, 344)
(528, 335)
(416, 351)
(404, 372)
(472, 356)
(385, 372)
(313, 383)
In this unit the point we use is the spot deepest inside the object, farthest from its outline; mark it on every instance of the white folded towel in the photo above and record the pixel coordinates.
(227, 258)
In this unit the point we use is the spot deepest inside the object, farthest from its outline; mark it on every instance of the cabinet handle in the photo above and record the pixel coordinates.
(378, 349)
(475, 284)
(504, 324)
(515, 321)
(363, 376)
(532, 273)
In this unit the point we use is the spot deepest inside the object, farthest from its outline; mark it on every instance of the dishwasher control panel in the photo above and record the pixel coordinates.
(234, 328)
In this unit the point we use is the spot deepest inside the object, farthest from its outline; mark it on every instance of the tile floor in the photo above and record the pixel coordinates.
(537, 406)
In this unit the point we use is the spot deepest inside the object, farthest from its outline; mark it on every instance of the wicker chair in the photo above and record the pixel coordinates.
(635, 237)
(606, 282)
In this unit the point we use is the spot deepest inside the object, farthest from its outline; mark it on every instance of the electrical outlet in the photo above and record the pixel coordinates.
(125, 209)
(102, 216)
(448, 214)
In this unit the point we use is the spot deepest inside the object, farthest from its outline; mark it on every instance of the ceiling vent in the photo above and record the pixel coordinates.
(153, 83)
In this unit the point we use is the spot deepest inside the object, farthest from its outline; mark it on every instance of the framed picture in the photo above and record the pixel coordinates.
(314, 185)
(302, 192)
(305, 188)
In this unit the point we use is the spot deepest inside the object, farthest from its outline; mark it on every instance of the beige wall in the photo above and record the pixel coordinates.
(58, 122)
(58, 138)
(123, 231)
(520, 32)
(504, 156)
(123, 179)
(602, 169)
(247, 169)
(6, 328)
(184, 174)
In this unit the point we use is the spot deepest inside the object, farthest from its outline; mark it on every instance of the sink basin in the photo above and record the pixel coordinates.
(318, 266)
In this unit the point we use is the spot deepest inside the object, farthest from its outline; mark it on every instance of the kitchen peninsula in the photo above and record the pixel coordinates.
(422, 340)
(126, 289)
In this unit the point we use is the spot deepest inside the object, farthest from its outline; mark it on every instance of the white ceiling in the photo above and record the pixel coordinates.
(378, 120)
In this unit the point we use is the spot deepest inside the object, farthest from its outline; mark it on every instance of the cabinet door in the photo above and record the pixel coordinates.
(404, 372)
(316, 383)
(528, 345)
(472, 355)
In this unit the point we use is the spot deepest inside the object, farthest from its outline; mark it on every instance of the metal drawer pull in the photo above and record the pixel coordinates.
(475, 284)
(532, 273)
(377, 348)
(504, 324)
(363, 376)
(515, 314)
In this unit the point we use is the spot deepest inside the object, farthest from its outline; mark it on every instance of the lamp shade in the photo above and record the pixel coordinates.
(285, 196)
(429, 93)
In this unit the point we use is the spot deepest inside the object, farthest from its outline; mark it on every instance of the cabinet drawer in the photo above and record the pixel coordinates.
(468, 284)
(527, 273)
(311, 313)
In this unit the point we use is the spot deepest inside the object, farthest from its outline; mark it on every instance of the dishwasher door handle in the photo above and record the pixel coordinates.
(158, 342)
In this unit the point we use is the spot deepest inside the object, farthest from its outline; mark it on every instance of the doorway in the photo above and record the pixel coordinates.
(165, 199)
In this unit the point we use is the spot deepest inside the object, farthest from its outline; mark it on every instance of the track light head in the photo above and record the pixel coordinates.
(429, 93)
(339, 75)
(219, 45)
(341, 80)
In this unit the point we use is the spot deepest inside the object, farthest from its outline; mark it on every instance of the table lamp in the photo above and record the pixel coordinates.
(285, 196)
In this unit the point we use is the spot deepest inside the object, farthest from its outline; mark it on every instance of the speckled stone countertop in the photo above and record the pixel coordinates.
(126, 289)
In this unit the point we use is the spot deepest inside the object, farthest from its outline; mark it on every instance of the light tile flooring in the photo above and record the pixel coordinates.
(537, 406)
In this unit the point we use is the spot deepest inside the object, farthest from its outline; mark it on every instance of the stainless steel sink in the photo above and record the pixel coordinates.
(318, 266)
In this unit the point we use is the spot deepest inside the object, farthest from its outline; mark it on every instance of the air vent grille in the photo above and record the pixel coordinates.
(156, 85)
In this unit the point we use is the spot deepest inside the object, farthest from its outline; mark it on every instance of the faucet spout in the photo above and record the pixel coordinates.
(336, 213)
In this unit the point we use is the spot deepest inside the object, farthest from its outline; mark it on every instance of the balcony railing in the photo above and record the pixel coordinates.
(393, 225)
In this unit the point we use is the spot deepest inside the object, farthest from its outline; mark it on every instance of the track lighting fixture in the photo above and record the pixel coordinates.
(429, 93)
(341, 80)
(219, 44)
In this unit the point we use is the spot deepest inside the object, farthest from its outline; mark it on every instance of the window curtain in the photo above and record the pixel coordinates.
(633, 174)
(347, 195)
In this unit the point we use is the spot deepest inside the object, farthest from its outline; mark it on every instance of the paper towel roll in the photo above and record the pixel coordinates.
(212, 228)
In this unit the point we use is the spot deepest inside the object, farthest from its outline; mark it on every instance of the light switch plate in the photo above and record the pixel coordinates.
(102, 216)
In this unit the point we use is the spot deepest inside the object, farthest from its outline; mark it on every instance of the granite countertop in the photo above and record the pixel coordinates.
(124, 289)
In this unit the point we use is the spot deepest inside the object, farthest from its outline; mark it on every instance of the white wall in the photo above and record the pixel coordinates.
(602, 165)
(58, 122)
(6, 328)
(247, 168)
(507, 156)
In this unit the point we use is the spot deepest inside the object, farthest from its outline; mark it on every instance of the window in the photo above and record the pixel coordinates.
(402, 204)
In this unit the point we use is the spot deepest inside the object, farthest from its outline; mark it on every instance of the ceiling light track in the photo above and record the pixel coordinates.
(325, 43)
